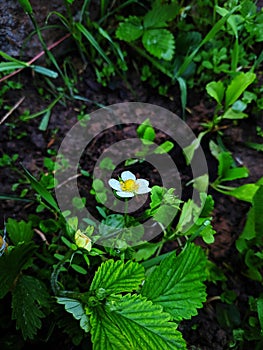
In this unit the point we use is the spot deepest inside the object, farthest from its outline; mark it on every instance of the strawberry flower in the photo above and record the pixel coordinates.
(129, 186)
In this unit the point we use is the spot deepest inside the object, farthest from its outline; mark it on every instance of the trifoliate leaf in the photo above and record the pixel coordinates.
(75, 307)
(11, 264)
(117, 276)
(133, 322)
(130, 30)
(29, 295)
(177, 283)
(160, 43)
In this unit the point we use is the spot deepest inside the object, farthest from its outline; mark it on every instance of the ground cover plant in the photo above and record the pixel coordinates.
(103, 280)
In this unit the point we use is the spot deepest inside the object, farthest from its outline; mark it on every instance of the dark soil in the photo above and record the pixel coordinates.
(203, 331)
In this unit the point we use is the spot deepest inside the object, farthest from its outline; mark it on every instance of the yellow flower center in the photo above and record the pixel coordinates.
(129, 186)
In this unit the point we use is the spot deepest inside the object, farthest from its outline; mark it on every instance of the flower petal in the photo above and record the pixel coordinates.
(115, 184)
(127, 175)
(143, 186)
(125, 194)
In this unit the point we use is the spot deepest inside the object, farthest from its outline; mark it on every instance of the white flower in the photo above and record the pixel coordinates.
(128, 186)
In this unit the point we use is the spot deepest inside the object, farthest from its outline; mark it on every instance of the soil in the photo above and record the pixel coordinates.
(32, 146)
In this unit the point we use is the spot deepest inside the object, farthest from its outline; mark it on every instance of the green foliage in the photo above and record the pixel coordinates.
(19, 232)
(28, 297)
(178, 280)
(42, 191)
(135, 323)
(156, 40)
(117, 277)
(75, 308)
(11, 264)
(118, 319)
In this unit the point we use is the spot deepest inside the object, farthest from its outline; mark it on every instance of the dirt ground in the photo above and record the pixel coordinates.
(229, 214)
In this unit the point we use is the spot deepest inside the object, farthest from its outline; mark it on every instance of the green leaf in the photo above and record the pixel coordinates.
(45, 71)
(209, 36)
(29, 295)
(237, 86)
(164, 214)
(44, 193)
(225, 162)
(146, 252)
(19, 231)
(245, 192)
(159, 15)
(256, 146)
(107, 163)
(160, 43)
(186, 215)
(165, 147)
(177, 283)
(26, 6)
(208, 205)
(235, 173)
(226, 171)
(183, 90)
(248, 232)
(130, 30)
(216, 90)
(132, 322)
(75, 307)
(93, 42)
(7, 66)
(45, 120)
(189, 150)
(231, 114)
(208, 234)
(117, 276)
(79, 269)
(11, 263)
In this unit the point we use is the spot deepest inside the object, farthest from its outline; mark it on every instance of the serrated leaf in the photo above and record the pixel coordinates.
(177, 283)
(75, 307)
(29, 295)
(160, 43)
(237, 86)
(11, 264)
(133, 322)
(19, 231)
(159, 15)
(130, 30)
(117, 276)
